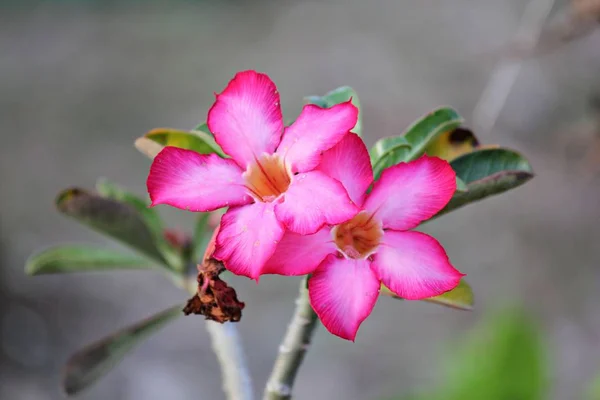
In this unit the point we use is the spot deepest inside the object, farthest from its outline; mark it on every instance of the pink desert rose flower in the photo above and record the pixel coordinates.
(269, 183)
(351, 260)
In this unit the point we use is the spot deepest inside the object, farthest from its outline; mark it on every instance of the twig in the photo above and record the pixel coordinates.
(228, 348)
(494, 96)
(227, 345)
(292, 349)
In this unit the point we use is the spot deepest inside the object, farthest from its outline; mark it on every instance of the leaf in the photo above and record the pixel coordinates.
(387, 152)
(461, 297)
(488, 172)
(148, 147)
(593, 391)
(92, 362)
(504, 359)
(196, 140)
(150, 216)
(452, 144)
(337, 96)
(80, 258)
(461, 186)
(201, 237)
(113, 218)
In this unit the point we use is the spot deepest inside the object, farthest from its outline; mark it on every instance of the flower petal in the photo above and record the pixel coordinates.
(343, 293)
(312, 200)
(300, 254)
(197, 182)
(316, 130)
(409, 193)
(247, 238)
(246, 119)
(414, 265)
(349, 162)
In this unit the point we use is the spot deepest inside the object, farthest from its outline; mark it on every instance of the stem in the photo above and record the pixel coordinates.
(292, 349)
(505, 75)
(227, 346)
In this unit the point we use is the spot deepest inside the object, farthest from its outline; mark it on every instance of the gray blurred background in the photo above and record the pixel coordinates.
(79, 81)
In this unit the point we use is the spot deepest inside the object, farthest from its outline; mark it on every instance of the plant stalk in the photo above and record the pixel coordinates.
(228, 348)
(293, 348)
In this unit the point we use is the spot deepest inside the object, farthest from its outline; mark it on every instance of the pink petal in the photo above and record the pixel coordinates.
(300, 254)
(246, 119)
(349, 162)
(343, 293)
(409, 193)
(312, 200)
(196, 182)
(247, 238)
(414, 265)
(316, 130)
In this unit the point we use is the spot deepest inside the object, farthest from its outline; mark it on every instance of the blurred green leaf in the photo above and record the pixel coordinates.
(118, 220)
(201, 237)
(81, 258)
(337, 96)
(92, 362)
(504, 359)
(461, 186)
(460, 297)
(150, 216)
(196, 140)
(488, 172)
(593, 392)
(387, 152)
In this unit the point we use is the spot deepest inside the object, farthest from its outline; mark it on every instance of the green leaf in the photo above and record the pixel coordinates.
(81, 258)
(337, 96)
(92, 362)
(593, 392)
(461, 186)
(150, 216)
(196, 140)
(387, 152)
(504, 359)
(414, 140)
(488, 172)
(461, 297)
(201, 237)
(116, 219)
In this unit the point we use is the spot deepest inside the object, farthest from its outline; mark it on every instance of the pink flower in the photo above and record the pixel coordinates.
(350, 261)
(269, 183)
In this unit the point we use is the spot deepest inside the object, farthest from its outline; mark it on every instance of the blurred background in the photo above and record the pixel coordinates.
(80, 80)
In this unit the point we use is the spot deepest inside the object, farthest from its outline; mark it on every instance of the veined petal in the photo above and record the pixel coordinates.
(312, 200)
(316, 130)
(409, 193)
(300, 254)
(246, 119)
(343, 293)
(414, 265)
(196, 182)
(247, 238)
(349, 162)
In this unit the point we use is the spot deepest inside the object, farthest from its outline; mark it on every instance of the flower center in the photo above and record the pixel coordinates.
(358, 237)
(267, 178)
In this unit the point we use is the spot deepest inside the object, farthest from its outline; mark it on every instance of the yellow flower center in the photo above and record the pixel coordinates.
(267, 178)
(358, 237)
